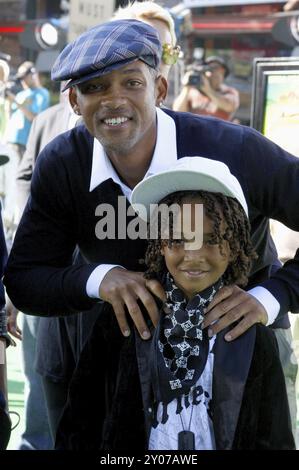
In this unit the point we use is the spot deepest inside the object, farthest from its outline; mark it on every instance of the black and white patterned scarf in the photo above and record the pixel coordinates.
(180, 347)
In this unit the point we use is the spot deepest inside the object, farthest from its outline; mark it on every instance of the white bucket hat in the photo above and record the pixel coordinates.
(188, 173)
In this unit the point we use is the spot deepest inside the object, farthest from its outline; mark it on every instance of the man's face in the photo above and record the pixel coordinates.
(217, 75)
(119, 108)
(29, 80)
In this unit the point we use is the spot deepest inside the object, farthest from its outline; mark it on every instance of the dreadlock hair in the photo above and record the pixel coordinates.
(217, 208)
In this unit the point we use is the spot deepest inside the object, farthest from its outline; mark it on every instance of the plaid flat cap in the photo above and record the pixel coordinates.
(105, 48)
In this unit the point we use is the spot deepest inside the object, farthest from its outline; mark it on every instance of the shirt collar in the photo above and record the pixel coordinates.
(165, 155)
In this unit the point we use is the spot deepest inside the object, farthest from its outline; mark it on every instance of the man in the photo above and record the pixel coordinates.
(4, 74)
(115, 85)
(5, 340)
(47, 125)
(36, 436)
(25, 105)
(208, 96)
(60, 340)
(4, 150)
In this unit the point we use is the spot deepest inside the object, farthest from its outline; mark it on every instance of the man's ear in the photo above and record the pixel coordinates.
(73, 100)
(161, 89)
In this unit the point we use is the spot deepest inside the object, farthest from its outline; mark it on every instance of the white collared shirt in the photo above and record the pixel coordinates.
(164, 156)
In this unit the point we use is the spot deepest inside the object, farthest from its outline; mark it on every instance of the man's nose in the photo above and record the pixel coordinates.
(114, 98)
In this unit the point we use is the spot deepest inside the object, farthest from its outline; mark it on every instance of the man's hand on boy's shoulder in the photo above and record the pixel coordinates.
(123, 289)
(230, 304)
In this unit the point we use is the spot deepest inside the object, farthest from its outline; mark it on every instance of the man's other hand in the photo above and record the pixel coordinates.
(122, 288)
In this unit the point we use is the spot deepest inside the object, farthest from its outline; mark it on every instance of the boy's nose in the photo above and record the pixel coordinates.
(192, 252)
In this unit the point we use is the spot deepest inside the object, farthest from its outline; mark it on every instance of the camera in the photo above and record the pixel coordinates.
(195, 77)
(196, 70)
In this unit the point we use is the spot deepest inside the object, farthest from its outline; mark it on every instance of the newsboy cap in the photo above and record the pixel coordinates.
(105, 48)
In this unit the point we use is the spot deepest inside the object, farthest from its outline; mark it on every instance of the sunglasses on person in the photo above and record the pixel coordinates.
(170, 54)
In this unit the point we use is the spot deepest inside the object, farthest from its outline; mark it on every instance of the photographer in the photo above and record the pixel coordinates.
(205, 93)
(25, 105)
(5, 341)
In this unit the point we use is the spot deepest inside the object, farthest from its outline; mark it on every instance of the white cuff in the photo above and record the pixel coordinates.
(268, 301)
(96, 277)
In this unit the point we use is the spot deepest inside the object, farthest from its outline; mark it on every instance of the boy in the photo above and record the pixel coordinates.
(183, 390)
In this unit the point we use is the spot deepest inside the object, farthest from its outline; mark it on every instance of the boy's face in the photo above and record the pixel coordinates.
(193, 270)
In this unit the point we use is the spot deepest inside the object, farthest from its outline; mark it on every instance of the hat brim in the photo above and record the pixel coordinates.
(104, 71)
(153, 189)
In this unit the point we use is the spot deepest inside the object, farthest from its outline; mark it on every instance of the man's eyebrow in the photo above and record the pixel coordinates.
(132, 70)
(125, 72)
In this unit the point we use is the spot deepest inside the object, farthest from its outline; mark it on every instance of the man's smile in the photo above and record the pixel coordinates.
(115, 121)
